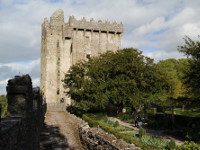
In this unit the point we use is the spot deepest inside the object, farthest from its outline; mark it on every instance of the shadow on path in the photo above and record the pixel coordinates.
(52, 139)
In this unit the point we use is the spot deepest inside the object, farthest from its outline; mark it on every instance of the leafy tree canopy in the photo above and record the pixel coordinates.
(192, 77)
(124, 77)
(175, 70)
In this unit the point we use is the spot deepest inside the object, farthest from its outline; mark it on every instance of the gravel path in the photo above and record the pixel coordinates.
(60, 132)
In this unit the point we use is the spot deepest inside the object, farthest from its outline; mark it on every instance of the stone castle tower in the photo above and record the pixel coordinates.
(63, 44)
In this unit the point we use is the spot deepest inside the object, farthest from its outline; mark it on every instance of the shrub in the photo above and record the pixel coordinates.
(171, 144)
(116, 124)
(4, 110)
(141, 132)
(189, 146)
(128, 139)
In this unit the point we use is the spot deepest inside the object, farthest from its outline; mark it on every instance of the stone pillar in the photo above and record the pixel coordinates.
(20, 96)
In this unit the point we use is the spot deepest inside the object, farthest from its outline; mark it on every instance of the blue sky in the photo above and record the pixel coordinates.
(156, 27)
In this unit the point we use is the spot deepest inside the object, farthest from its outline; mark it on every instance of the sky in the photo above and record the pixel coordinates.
(155, 27)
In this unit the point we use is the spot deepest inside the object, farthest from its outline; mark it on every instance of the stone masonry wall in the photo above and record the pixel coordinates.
(97, 139)
(66, 43)
(20, 129)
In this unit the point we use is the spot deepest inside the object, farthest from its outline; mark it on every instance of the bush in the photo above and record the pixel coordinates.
(116, 124)
(4, 110)
(141, 132)
(3, 103)
(189, 146)
(128, 139)
(171, 144)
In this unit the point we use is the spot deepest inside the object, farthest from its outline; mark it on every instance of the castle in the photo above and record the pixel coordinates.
(63, 44)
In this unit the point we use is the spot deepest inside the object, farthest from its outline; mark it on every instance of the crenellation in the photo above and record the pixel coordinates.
(92, 25)
(65, 43)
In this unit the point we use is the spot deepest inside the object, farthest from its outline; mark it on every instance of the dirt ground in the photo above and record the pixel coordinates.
(60, 132)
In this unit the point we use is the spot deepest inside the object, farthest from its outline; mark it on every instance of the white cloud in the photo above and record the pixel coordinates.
(154, 26)
(3, 84)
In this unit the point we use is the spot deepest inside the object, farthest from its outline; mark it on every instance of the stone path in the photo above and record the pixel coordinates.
(153, 132)
(60, 132)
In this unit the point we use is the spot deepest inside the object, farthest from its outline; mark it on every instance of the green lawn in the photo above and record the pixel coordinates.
(186, 112)
(147, 142)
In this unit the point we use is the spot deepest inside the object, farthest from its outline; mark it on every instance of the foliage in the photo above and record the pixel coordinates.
(192, 78)
(102, 118)
(129, 139)
(116, 124)
(141, 132)
(171, 144)
(121, 78)
(3, 103)
(175, 71)
(186, 112)
(126, 117)
(189, 146)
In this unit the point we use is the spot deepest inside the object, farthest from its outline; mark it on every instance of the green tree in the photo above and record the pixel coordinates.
(124, 77)
(174, 69)
(192, 78)
(3, 103)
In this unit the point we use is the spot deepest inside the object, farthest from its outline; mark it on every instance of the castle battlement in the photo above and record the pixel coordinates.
(66, 43)
(95, 26)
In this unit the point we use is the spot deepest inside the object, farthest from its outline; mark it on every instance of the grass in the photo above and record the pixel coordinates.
(186, 112)
(102, 118)
(147, 142)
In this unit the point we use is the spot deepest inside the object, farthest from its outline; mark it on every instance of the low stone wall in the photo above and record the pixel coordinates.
(98, 139)
(20, 129)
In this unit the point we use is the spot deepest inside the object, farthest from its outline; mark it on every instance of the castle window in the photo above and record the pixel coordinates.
(96, 31)
(62, 100)
(71, 49)
(58, 91)
(80, 29)
(88, 56)
(112, 32)
(67, 38)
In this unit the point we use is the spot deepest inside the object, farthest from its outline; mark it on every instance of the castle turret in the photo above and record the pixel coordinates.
(57, 18)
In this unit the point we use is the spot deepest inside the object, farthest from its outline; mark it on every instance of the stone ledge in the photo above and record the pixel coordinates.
(95, 138)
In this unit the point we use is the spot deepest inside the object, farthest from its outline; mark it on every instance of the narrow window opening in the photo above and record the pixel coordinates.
(67, 38)
(58, 91)
(88, 56)
(112, 32)
(80, 29)
(71, 49)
